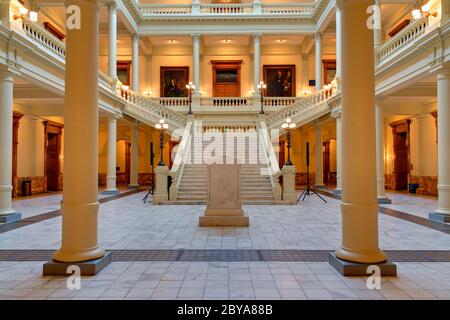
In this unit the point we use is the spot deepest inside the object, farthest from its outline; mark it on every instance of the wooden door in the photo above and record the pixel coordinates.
(127, 160)
(326, 161)
(52, 151)
(400, 131)
(226, 78)
(52, 162)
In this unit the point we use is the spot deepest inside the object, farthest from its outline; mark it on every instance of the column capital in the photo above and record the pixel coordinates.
(318, 35)
(113, 7)
(256, 36)
(196, 36)
(305, 56)
(135, 36)
(338, 5)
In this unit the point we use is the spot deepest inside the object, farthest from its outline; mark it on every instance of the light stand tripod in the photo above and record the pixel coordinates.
(308, 189)
(152, 186)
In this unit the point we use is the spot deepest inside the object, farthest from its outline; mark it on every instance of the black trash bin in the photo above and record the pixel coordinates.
(26, 188)
(413, 187)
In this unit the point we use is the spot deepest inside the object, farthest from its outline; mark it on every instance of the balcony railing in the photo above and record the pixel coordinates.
(403, 40)
(43, 38)
(279, 9)
(226, 102)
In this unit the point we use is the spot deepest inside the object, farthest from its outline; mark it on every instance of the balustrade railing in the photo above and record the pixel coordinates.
(171, 102)
(288, 8)
(42, 37)
(226, 9)
(276, 118)
(402, 40)
(281, 101)
(293, 8)
(166, 9)
(226, 102)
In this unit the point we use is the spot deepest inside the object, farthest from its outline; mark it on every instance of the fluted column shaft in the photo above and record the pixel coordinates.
(111, 157)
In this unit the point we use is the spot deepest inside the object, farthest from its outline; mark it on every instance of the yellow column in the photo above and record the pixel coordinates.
(359, 190)
(80, 206)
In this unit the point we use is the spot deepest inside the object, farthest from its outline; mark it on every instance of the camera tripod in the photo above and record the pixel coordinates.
(308, 190)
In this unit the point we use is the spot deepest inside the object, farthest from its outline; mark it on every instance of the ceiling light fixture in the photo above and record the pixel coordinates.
(226, 41)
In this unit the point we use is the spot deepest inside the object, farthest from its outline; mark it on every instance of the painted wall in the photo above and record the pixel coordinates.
(428, 156)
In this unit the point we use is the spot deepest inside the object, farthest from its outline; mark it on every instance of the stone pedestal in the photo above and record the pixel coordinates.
(224, 198)
(289, 192)
(161, 193)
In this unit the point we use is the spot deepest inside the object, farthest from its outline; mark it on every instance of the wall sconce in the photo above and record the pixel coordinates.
(423, 12)
(147, 93)
(306, 92)
(33, 17)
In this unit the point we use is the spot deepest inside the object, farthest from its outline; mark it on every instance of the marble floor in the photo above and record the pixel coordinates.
(128, 223)
(38, 204)
(418, 205)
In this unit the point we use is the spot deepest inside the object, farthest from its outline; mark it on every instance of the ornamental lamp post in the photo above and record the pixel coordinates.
(261, 87)
(288, 125)
(190, 87)
(162, 127)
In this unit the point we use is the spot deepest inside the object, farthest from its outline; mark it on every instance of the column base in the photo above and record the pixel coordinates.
(337, 192)
(439, 217)
(223, 218)
(8, 218)
(353, 269)
(133, 186)
(87, 268)
(384, 200)
(110, 192)
(320, 186)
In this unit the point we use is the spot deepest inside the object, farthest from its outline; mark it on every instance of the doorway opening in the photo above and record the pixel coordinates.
(52, 136)
(400, 132)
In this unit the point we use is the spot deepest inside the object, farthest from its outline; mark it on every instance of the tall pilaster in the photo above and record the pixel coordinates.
(442, 213)
(135, 63)
(379, 128)
(304, 70)
(134, 157)
(256, 61)
(359, 189)
(7, 213)
(111, 157)
(377, 30)
(319, 157)
(196, 62)
(338, 189)
(319, 80)
(79, 205)
(338, 44)
(112, 53)
(422, 142)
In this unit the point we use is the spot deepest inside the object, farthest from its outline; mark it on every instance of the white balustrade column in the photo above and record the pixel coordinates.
(359, 188)
(135, 63)
(338, 189)
(442, 213)
(318, 37)
(196, 62)
(379, 128)
(319, 158)
(80, 205)
(7, 214)
(134, 158)
(112, 53)
(256, 61)
(111, 157)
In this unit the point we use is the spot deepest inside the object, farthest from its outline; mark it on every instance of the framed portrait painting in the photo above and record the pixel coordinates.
(329, 70)
(280, 80)
(173, 81)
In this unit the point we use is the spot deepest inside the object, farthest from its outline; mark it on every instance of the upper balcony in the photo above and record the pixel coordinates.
(256, 8)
